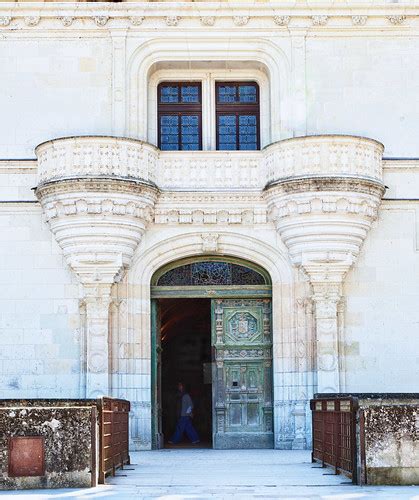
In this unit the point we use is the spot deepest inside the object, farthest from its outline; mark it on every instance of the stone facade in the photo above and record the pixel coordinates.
(331, 221)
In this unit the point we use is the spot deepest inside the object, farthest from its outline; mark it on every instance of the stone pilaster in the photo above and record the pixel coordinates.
(326, 298)
(97, 299)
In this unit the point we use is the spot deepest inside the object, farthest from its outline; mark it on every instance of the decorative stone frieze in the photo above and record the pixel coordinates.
(32, 20)
(211, 216)
(319, 20)
(241, 20)
(67, 20)
(282, 20)
(172, 20)
(207, 20)
(137, 20)
(324, 155)
(323, 203)
(75, 157)
(359, 20)
(97, 198)
(396, 20)
(5, 20)
(101, 20)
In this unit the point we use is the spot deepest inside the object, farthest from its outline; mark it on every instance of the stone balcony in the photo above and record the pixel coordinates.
(98, 195)
(111, 157)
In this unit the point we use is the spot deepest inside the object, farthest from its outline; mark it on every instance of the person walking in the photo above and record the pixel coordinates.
(184, 413)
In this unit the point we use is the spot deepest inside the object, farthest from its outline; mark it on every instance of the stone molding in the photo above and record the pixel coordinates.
(206, 215)
(282, 20)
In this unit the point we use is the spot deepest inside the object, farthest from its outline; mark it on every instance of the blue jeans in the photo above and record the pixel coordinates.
(184, 424)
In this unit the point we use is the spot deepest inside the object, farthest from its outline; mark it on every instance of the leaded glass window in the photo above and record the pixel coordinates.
(237, 109)
(179, 116)
(211, 273)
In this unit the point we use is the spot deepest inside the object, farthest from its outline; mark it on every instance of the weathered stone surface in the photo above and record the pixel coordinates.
(69, 432)
(392, 444)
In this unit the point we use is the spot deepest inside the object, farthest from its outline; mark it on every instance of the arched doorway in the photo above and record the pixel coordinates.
(211, 328)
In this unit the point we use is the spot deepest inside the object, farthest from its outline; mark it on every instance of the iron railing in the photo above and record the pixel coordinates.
(334, 434)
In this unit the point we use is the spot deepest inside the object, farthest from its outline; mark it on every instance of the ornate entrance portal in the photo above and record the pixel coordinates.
(234, 333)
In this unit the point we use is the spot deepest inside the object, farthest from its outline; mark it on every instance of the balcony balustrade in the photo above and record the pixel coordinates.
(112, 157)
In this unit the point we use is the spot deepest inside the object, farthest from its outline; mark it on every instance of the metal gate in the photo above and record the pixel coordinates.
(113, 432)
(334, 434)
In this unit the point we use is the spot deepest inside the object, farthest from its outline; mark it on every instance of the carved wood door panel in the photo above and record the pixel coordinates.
(242, 373)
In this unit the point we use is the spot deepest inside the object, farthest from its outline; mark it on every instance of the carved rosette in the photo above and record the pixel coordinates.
(323, 202)
(97, 197)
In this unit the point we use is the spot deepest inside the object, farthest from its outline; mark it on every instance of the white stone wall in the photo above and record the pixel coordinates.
(382, 293)
(365, 85)
(52, 87)
(39, 320)
(322, 69)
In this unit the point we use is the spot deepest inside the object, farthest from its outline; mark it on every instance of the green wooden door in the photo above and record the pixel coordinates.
(242, 373)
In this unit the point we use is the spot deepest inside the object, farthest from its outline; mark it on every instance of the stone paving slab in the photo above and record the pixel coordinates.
(194, 474)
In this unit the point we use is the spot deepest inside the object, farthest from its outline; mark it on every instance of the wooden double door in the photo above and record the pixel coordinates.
(241, 347)
(242, 373)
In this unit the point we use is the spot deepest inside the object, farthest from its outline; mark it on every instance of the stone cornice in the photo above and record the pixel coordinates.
(104, 184)
(323, 183)
(236, 16)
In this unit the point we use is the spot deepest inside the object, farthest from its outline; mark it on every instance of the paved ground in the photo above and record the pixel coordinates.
(213, 474)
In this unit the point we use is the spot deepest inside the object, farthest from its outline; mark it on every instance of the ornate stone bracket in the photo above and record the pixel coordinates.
(324, 218)
(98, 218)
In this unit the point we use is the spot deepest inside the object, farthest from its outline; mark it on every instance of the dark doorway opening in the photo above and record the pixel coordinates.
(186, 357)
